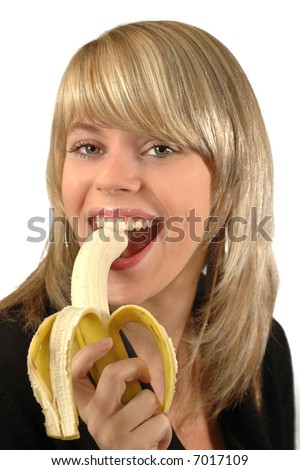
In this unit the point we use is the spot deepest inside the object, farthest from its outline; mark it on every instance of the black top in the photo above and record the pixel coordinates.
(22, 421)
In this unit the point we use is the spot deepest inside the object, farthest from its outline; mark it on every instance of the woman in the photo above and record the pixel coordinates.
(157, 120)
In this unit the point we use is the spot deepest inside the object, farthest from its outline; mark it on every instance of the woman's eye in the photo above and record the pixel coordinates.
(85, 150)
(90, 149)
(161, 150)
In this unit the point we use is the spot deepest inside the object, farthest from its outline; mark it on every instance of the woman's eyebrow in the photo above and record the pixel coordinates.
(83, 126)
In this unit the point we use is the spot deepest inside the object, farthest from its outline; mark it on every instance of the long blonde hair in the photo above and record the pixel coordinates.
(178, 83)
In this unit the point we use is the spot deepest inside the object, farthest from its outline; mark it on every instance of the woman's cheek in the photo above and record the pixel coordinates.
(73, 195)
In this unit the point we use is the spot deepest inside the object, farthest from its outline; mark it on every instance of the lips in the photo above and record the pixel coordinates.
(142, 230)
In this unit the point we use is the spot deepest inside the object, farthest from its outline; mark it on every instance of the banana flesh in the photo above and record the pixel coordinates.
(86, 321)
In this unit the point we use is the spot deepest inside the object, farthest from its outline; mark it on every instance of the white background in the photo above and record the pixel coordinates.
(37, 39)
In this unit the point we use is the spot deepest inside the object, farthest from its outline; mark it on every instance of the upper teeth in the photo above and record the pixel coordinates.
(131, 224)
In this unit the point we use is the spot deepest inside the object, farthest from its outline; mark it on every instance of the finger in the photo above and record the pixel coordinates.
(87, 356)
(155, 433)
(82, 362)
(158, 431)
(140, 408)
(112, 383)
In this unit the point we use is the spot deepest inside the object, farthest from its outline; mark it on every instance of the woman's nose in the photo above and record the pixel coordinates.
(118, 172)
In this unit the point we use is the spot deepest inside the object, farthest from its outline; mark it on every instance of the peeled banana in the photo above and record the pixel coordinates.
(86, 321)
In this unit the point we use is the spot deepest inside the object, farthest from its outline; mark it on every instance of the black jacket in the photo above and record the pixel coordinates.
(22, 421)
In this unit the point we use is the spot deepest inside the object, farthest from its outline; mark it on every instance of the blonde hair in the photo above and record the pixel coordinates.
(178, 83)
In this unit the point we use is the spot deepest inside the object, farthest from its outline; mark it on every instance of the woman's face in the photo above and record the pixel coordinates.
(151, 184)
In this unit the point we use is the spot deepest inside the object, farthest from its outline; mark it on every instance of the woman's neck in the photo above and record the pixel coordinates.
(172, 307)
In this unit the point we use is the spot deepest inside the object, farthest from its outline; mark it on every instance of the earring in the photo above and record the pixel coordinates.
(66, 241)
(226, 242)
(226, 246)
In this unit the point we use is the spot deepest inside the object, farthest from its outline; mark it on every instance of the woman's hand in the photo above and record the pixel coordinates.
(140, 424)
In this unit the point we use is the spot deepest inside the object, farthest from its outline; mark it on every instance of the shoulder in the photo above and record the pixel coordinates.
(14, 344)
(19, 413)
(243, 426)
(278, 388)
(277, 365)
(16, 332)
(278, 346)
(21, 418)
(14, 339)
(278, 379)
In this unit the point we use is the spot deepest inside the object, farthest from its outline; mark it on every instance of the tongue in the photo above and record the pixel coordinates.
(137, 241)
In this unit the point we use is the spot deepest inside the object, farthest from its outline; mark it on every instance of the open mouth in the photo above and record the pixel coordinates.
(140, 231)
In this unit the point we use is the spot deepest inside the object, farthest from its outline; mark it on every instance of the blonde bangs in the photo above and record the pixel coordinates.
(117, 80)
